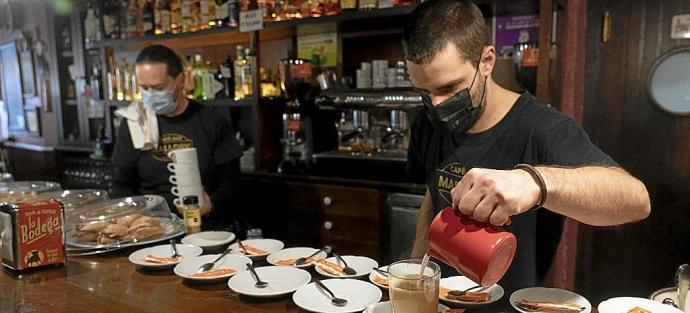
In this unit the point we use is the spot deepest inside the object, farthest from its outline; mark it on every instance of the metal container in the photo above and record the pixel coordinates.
(32, 234)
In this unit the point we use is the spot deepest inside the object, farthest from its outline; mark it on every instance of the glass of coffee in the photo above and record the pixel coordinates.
(411, 292)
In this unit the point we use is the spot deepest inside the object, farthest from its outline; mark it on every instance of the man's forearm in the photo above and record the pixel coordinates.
(595, 195)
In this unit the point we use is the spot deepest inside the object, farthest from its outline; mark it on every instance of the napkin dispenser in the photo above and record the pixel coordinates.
(32, 234)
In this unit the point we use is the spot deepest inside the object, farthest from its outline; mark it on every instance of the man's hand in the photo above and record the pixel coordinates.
(495, 195)
(205, 209)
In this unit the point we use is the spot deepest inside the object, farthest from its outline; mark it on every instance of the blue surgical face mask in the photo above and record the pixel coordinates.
(160, 102)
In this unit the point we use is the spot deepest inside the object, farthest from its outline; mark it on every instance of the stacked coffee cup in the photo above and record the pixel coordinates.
(185, 177)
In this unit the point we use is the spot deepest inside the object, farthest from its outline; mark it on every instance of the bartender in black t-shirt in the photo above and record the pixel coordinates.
(471, 133)
(182, 123)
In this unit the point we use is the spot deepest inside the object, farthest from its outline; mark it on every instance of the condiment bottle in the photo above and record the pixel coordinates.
(191, 214)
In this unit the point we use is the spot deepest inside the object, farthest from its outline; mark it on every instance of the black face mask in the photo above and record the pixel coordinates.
(456, 114)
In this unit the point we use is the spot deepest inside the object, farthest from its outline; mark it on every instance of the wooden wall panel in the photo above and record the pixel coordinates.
(619, 116)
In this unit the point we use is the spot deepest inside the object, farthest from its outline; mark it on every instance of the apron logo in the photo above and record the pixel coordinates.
(448, 177)
(170, 142)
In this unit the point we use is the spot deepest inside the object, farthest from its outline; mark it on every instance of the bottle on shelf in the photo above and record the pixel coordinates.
(212, 14)
(126, 80)
(147, 17)
(318, 8)
(132, 20)
(95, 84)
(225, 77)
(267, 85)
(186, 13)
(103, 144)
(368, 4)
(187, 68)
(233, 13)
(211, 85)
(332, 7)
(348, 5)
(239, 66)
(158, 18)
(175, 16)
(119, 83)
(198, 76)
(92, 31)
(221, 13)
(247, 78)
(204, 14)
(110, 19)
(196, 16)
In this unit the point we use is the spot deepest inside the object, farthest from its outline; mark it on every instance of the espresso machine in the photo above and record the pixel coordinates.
(373, 131)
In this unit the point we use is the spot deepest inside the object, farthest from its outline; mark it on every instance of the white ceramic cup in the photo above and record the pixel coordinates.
(185, 179)
(188, 190)
(187, 155)
(183, 168)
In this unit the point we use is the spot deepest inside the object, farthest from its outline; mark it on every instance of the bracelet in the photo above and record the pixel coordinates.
(538, 179)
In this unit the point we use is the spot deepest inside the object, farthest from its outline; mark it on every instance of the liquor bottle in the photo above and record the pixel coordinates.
(166, 17)
(191, 214)
(233, 13)
(109, 86)
(348, 5)
(211, 86)
(333, 7)
(119, 86)
(110, 19)
(247, 78)
(95, 84)
(198, 73)
(188, 68)
(175, 16)
(157, 18)
(91, 28)
(204, 15)
(318, 8)
(368, 4)
(212, 14)
(196, 16)
(186, 13)
(146, 8)
(103, 145)
(225, 77)
(126, 80)
(239, 66)
(221, 13)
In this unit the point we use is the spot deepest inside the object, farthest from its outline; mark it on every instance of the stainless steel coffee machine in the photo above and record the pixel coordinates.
(372, 125)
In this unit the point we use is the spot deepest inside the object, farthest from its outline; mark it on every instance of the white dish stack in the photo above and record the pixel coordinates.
(185, 177)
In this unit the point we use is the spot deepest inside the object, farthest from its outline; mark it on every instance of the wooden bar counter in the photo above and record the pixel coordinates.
(110, 283)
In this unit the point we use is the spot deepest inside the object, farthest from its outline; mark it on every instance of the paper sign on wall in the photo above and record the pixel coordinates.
(251, 20)
(321, 49)
(680, 27)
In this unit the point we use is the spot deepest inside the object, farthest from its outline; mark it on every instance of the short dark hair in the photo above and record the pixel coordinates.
(434, 23)
(161, 54)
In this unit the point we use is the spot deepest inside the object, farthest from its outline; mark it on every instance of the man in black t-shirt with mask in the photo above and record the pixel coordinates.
(471, 133)
(181, 123)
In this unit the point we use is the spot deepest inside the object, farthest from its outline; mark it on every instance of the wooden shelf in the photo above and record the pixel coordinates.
(212, 103)
(272, 31)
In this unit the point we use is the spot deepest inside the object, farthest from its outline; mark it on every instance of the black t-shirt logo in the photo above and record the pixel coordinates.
(448, 177)
(169, 142)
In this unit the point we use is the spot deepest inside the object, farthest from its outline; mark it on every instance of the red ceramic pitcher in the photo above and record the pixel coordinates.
(480, 251)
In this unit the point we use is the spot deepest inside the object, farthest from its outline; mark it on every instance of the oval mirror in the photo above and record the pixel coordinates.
(669, 81)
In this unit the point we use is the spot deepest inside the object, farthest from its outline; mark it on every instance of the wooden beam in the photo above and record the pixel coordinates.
(544, 68)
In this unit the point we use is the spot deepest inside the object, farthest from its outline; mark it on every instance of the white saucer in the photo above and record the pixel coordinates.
(209, 240)
(268, 245)
(295, 253)
(163, 251)
(359, 294)
(385, 307)
(461, 283)
(374, 274)
(550, 295)
(191, 265)
(281, 280)
(624, 304)
(361, 264)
